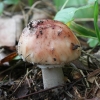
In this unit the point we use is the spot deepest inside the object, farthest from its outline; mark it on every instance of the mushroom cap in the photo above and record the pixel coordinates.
(48, 42)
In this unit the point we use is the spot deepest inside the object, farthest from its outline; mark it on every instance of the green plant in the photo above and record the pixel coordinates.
(94, 42)
(75, 3)
(30, 2)
(68, 14)
(11, 2)
(90, 10)
(1, 7)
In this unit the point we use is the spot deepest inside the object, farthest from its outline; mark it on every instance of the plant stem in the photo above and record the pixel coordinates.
(64, 4)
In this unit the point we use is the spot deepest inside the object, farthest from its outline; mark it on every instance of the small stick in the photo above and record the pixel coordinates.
(41, 91)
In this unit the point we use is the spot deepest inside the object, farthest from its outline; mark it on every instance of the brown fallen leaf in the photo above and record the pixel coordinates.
(92, 76)
(22, 90)
(79, 65)
(10, 30)
(76, 75)
(8, 58)
(95, 72)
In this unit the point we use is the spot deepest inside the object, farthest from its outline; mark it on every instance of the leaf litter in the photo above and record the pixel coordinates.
(23, 81)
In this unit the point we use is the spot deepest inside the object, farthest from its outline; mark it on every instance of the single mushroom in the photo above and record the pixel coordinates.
(50, 44)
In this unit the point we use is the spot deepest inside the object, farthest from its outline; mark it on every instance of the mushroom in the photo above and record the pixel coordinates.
(50, 44)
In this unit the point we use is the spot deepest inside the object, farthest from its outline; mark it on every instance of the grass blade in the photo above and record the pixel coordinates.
(82, 31)
(96, 11)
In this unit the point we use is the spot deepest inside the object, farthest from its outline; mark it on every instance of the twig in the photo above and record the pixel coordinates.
(20, 82)
(41, 91)
(49, 4)
(97, 84)
(18, 63)
(64, 4)
(29, 12)
(84, 78)
(90, 55)
(28, 79)
(75, 83)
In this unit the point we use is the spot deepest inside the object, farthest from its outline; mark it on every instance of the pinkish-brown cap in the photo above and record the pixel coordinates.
(48, 42)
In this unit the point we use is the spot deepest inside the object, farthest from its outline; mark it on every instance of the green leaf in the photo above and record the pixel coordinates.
(91, 1)
(96, 11)
(92, 42)
(70, 3)
(11, 1)
(86, 12)
(82, 31)
(1, 7)
(76, 3)
(17, 58)
(67, 15)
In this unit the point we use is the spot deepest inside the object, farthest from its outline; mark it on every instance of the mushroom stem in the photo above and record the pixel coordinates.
(52, 76)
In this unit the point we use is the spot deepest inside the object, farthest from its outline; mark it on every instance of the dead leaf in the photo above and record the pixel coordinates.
(91, 79)
(10, 30)
(7, 32)
(95, 72)
(19, 25)
(8, 58)
(76, 75)
(22, 90)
